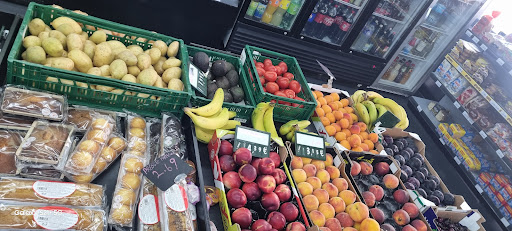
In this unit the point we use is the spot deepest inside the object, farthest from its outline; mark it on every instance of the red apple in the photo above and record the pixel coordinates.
(279, 176)
(243, 217)
(401, 217)
(381, 168)
(247, 173)
(355, 169)
(270, 201)
(276, 158)
(295, 226)
(236, 198)
(227, 163)
(419, 225)
(256, 163)
(261, 225)
(266, 183)
(401, 196)
(226, 148)
(231, 180)
(283, 192)
(252, 191)
(242, 156)
(266, 166)
(290, 211)
(411, 209)
(277, 220)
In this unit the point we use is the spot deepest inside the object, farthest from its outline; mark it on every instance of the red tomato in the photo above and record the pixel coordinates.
(279, 70)
(283, 66)
(264, 90)
(295, 86)
(260, 64)
(288, 75)
(282, 94)
(272, 87)
(261, 71)
(262, 80)
(270, 76)
(289, 93)
(296, 104)
(270, 68)
(283, 82)
(267, 62)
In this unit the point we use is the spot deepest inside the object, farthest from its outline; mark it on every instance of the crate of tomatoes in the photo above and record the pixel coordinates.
(276, 77)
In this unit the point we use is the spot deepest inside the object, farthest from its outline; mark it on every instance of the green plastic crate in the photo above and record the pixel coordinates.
(145, 100)
(243, 112)
(282, 113)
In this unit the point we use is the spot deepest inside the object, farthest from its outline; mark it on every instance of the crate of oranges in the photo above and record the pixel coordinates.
(337, 122)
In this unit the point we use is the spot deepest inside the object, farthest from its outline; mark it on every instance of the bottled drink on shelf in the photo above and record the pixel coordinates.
(366, 33)
(308, 28)
(408, 74)
(262, 5)
(436, 14)
(343, 27)
(270, 10)
(370, 42)
(290, 14)
(407, 49)
(323, 9)
(328, 21)
(402, 71)
(252, 7)
(396, 70)
(277, 18)
(357, 2)
(393, 65)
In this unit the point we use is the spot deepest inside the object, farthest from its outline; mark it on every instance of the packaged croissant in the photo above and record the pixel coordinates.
(172, 138)
(51, 192)
(17, 100)
(174, 207)
(124, 200)
(82, 159)
(24, 216)
(82, 116)
(9, 142)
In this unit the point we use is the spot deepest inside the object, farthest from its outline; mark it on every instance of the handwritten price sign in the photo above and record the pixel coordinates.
(164, 169)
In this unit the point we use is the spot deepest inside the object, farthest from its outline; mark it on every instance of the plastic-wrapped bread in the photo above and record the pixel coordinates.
(18, 216)
(17, 100)
(175, 210)
(9, 143)
(81, 116)
(51, 192)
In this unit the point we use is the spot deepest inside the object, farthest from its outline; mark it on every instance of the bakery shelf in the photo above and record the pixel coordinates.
(490, 51)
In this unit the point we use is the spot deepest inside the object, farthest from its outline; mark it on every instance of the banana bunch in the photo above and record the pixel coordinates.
(210, 117)
(371, 105)
(263, 119)
(288, 129)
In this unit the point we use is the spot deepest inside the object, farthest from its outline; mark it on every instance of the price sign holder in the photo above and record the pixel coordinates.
(258, 142)
(387, 120)
(164, 169)
(197, 79)
(310, 146)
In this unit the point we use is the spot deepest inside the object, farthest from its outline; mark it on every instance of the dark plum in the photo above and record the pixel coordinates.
(409, 149)
(400, 159)
(414, 181)
(422, 192)
(436, 180)
(430, 184)
(409, 185)
(399, 144)
(405, 154)
(384, 143)
(415, 163)
(419, 156)
(449, 199)
(388, 139)
(404, 176)
(434, 199)
(389, 151)
(407, 169)
(438, 194)
(394, 148)
(424, 171)
(418, 175)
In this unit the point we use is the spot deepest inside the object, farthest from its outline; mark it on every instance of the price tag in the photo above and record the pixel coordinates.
(500, 62)
(459, 69)
(465, 114)
(476, 40)
(164, 169)
(482, 134)
(505, 222)
(197, 79)
(477, 87)
(438, 83)
(485, 95)
(484, 47)
(479, 189)
(419, 108)
(504, 114)
(500, 153)
(457, 160)
(495, 105)
(310, 146)
(457, 105)
(256, 141)
(468, 33)
(442, 141)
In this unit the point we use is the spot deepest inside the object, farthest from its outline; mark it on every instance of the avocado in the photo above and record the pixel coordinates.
(202, 61)
(219, 68)
(209, 76)
(233, 78)
(222, 82)
(230, 66)
(228, 98)
(211, 87)
(237, 93)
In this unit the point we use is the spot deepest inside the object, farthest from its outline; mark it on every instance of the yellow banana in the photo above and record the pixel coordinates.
(213, 107)
(287, 127)
(268, 123)
(203, 135)
(381, 109)
(210, 123)
(391, 105)
(304, 123)
(362, 113)
(232, 114)
(257, 116)
(358, 97)
(290, 135)
(372, 95)
(404, 121)
(372, 111)
(231, 124)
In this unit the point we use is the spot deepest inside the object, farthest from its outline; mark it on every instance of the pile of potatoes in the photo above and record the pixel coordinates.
(68, 47)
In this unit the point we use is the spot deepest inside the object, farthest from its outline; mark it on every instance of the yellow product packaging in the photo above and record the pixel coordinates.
(443, 128)
(456, 131)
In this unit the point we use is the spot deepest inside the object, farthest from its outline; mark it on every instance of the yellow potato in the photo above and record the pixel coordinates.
(43, 35)
(104, 88)
(31, 40)
(66, 29)
(147, 77)
(116, 46)
(89, 47)
(171, 62)
(128, 57)
(64, 54)
(105, 70)
(175, 84)
(82, 62)
(59, 36)
(47, 29)
(171, 73)
(160, 45)
(173, 49)
(118, 69)
(36, 26)
(74, 41)
(94, 71)
(133, 70)
(143, 61)
(159, 66)
(159, 82)
(98, 37)
(136, 49)
(154, 54)
(36, 54)
(103, 55)
(61, 63)
(52, 47)
(129, 78)
(84, 36)
(66, 20)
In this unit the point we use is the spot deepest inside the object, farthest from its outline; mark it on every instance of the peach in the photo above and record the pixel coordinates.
(409, 228)
(358, 211)
(296, 163)
(252, 191)
(283, 192)
(345, 219)
(323, 175)
(378, 215)
(366, 168)
(279, 176)
(357, 226)
(270, 201)
(317, 218)
(266, 166)
(236, 198)
(411, 209)
(247, 172)
(243, 217)
(266, 183)
(401, 196)
(299, 175)
(315, 182)
(226, 148)
(231, 180)
(290, 211)
(369, 224)
(331, 189)
(338, 204)
(355, 169)
(310, 169)
(227, 163)
(277, 220)
(348, 196)
(340, 183)
(333, 172)
(354, 140)
(377, 191)
(390, 181)
(369, 198)
(256, 163)
(349, 229)
(295, 226)
(242, 156)
(318, 164)
(401, 217)
(381, 168)
(305, 188)
(333, 224)
(323, 229)
(276, 158)
(310, 202)
(261, 225)
(348, 117)
(328, 160)
(327, 210)
(321, 195)
(419, 225)
(355, 129)
(306, 160)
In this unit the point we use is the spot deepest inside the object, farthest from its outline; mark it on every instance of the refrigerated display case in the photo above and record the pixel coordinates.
(424, 44)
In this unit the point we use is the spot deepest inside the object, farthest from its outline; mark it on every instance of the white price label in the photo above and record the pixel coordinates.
(468, 33)
(438, 83)
(457, 105)
(465, 114)
(442, 141)
(243, 56)
(176, 198)
(309, 140)
(500, 62)
(459, 69)
(55, 218)
(419, 108)
(479, 189)
(500, 153)
(503, 113)
(53, 190)
(252, 136)
(484, 47)
(393, 167)
(482, 134)
(495, 105)
(476, 40)
(148, 210)
(457, 160)
(484, 94)
(504, 221)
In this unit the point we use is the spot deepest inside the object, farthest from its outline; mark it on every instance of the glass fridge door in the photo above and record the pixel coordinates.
(330, 21)
(386, 25)
(275, 13)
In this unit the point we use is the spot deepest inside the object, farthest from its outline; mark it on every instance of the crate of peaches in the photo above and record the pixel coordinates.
(337, 122)
(256, 193)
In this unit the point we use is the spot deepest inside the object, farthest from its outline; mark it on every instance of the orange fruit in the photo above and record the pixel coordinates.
(346, 131)
(340, 136)
(333, 106)
(354, 117)
(330, 116)
(364, 135)
(344, 102)
(345, 144)
(349, 109)
(318, 105)
(374, 152)
(344, 123)
(362, 125)
(325, 121)
(360, 137)
(328, 98)
(370, 144)
(354, 140)
(318, 94)
(320, 112)
(330, 130)
(327, 109)
(322, 101)
(373, 137)
(340, 105)
(335, 96)
(342, 110)
(338, 115)
(357, 149)
(314, 95)
(364, 147)
(337, 126)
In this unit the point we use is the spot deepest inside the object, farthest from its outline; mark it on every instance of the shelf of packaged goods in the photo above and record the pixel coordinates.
(470, 176)
(393, 3)
(482, 92)
(490, 51)
(415, 57)
(348, 4)
(388, 18)
(432, 28)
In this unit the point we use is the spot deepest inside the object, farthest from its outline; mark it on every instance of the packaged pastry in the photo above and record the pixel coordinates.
(81, 117)
(126, 193)
(23, 216)
(20, 101)
(456, 86)
(83, 158)
(40, 172)
(172, 137)
(450, 75)
(45, 143)
(9, 143)
(456, 131)
(51, 192)
(443, 68)
(175, 210)
(467, 95)
(15, 122)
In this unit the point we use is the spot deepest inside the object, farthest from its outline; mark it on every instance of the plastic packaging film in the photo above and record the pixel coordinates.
(19, 101)
(172, 137)
(9, 143)
(175, 209)
(82, 116)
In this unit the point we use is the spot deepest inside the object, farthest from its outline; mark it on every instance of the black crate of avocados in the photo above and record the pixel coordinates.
(211, 70)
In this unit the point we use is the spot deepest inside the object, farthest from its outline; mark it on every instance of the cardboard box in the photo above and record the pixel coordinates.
(472, 219)
(484, 179)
